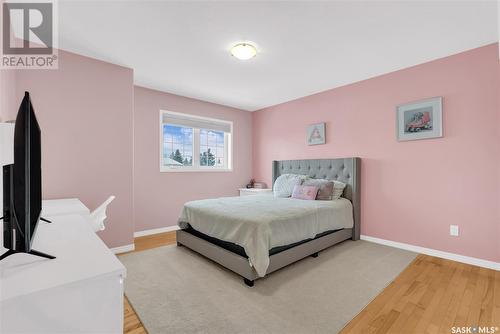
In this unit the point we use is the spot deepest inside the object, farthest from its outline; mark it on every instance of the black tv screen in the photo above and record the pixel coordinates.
(27, 170)
(22, 189)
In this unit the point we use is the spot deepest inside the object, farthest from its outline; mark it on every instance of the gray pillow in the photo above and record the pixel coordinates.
(325, 188)
(328, 190)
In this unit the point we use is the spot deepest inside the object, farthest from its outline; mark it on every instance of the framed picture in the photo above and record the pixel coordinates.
(420, 120)
(316, 134)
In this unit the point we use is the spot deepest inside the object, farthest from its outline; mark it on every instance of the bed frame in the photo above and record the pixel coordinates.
(347, 170)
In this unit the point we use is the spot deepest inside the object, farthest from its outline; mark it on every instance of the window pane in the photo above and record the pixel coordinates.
(220, 153)
(177, 145)
(203, 137)
(220, 139)
(167, 151)
(212, 138)
(211, 148)
(207, 156)
(188, 155)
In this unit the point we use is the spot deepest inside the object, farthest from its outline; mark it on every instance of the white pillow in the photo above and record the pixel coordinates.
(338, 189)
(284, 184)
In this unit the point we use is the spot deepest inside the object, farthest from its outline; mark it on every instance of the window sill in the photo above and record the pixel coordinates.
(194, 170)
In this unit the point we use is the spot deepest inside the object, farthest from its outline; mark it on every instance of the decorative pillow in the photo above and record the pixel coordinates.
(325, 188)
(283, 186)
(305, 192)
(338, 189)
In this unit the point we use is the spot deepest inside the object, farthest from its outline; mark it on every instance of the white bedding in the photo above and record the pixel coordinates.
(259, 223)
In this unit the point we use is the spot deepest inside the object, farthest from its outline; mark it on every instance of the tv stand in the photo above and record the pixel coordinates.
(32, 252)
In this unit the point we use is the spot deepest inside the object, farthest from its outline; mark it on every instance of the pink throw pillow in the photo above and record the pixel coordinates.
(305, 192)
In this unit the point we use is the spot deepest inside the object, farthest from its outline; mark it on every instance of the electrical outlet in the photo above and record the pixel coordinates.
(454, 230)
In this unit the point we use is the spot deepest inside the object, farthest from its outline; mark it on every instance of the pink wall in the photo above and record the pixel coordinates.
(411, 191)
(85, 111)
(8, 98)
(158, 197)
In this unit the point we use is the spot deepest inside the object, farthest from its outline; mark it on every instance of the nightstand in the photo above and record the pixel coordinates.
(254, 191)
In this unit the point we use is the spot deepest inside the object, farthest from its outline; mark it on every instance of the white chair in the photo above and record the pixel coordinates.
(98, 216)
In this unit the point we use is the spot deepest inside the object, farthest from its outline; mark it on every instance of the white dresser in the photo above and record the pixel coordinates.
(81, 291)
(62, 207)
(254, 191)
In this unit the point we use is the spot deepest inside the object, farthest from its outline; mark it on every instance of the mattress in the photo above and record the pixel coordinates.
(240, 250)
(261, 223)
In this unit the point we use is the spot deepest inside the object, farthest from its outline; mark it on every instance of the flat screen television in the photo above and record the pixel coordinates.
(22, 185)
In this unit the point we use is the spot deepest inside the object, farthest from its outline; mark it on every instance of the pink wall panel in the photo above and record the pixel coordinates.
(85, 111)
(411, 191)
(8, 99)
(158, 197)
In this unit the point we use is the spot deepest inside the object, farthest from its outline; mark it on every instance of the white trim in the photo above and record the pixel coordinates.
(216, 120)
(123, 249)
(156, 231)
(434, 252)
(165, 169)
(196, 152)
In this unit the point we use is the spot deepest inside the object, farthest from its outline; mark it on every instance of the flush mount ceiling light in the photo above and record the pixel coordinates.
(243, 51)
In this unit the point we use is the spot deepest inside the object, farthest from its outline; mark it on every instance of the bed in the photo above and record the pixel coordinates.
(256, 235)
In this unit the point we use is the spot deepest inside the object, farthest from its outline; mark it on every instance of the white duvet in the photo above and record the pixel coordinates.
(259, 223)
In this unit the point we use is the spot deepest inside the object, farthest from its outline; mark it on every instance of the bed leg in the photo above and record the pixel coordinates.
(315, 254)
(248, 282)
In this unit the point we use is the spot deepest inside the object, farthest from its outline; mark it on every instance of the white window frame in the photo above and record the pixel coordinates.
(228, 147)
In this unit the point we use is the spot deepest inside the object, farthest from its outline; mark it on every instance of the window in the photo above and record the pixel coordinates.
(177, 145)
(192, 143)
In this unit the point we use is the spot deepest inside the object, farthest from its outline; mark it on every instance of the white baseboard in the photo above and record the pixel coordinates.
(123, 249)
(434, 252)
(156, 231)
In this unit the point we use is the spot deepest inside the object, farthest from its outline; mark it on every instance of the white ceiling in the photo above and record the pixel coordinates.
(305, 47)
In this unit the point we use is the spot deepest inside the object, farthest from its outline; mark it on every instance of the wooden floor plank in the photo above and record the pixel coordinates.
(438, 294)
(153, 241)
(131, 322)
(456, 292)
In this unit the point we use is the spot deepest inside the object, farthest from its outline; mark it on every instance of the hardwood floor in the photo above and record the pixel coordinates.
(131, 322)
(431, 295)
(153, 241)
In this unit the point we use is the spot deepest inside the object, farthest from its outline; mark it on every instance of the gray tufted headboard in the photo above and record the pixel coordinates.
(347, 170)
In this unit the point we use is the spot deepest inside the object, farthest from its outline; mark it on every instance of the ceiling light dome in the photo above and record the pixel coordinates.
(244, 51)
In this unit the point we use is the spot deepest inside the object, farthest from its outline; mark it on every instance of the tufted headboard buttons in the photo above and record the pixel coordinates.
(346, 170)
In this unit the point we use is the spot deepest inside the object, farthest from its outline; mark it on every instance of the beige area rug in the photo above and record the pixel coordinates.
(175, 290)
